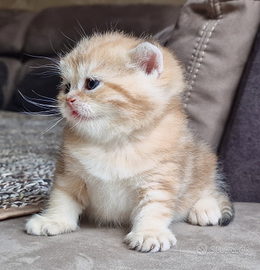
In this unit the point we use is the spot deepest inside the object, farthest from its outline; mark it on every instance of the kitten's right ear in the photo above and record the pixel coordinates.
(149, 58)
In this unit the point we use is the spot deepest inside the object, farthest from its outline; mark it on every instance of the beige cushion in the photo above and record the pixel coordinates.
(213, 40)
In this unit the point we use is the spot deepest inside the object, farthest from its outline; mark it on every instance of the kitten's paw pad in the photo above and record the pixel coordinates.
(205, 212)
(41, 225)
(150, 242)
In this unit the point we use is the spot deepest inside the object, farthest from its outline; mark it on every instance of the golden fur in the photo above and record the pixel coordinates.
(128, 156)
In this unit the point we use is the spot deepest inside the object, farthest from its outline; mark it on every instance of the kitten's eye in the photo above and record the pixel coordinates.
(67, 88)
(91, 84)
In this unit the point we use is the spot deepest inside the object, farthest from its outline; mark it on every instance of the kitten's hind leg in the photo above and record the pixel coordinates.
(212, 211)
(227, 211)
(205, 212)
(61, 216)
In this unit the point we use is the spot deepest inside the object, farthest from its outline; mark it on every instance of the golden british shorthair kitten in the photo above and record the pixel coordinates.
(128, 156)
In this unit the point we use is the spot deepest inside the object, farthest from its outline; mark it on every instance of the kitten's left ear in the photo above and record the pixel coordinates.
(149, 58)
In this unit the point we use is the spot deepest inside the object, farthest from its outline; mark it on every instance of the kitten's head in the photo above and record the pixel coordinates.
(114, 83)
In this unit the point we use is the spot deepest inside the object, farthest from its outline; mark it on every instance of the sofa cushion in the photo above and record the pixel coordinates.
(240, 148)
(3, 80)
(213, 40)
(9, 73)
(233, 247)
(55, 28)
(13, 29)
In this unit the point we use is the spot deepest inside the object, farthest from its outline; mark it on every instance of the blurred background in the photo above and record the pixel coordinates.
(36, 5)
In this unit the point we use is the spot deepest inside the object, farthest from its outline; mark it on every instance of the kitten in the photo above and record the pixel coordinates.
(128, 156)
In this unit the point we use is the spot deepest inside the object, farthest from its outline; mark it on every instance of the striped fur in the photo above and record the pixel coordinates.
(128, 156)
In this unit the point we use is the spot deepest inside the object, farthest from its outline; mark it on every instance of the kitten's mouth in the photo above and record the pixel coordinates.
(75, 114)
(81, 117)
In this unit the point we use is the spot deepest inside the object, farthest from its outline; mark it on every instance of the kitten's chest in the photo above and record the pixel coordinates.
(110, 201)
(112, 164)
(111, 181)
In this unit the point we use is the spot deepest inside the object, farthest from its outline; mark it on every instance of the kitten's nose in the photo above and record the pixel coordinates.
(70, 100)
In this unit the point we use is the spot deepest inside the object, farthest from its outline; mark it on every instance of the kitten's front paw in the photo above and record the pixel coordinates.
(41, 225)
(151, 241)
(205, 212)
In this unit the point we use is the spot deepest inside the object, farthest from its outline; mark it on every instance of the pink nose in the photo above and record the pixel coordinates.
(70, 100)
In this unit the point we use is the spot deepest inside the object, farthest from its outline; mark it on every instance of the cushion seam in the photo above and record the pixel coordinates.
(199, 52)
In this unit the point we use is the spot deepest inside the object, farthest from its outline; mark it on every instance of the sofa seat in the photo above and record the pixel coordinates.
(236, 246)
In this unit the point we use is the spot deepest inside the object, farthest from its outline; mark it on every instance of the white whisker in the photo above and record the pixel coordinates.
(39, 99)
(52, 126)
(76, 124)
(43, 113)
(56, 61)
(40, 105)
(54, 67)
(53, 48)
(83, 33)
(67, 37)
(47, 74)
(47, 98)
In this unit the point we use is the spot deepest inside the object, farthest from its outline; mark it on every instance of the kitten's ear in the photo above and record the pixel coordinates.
(149, 58)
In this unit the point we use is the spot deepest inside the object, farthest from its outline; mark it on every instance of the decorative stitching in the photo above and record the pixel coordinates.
(196, 45)
(197, 61)
(192, 62)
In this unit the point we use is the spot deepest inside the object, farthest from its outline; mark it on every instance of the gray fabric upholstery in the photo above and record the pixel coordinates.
(13, 29)
(236, 246)
(240, 148)
(214, 48)
(9, 70)
(43, 38)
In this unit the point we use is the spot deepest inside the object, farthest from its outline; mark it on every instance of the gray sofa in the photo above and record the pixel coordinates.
(218, 43)
(232, 247)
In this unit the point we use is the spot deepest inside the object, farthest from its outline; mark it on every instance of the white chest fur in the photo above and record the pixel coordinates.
(113, 163)
(110, 201)
(111, 182)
